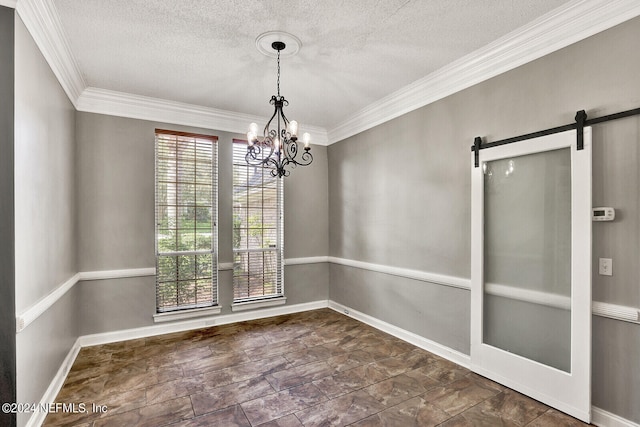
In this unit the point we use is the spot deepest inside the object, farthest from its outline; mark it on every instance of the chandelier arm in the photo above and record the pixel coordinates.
(267, 130)
(270, 163)
(291, 150)
(253, 156)
(305, 159)
(286, 121)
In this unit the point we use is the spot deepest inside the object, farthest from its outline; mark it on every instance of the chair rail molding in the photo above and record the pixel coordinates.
(27, 316)
(599, 308)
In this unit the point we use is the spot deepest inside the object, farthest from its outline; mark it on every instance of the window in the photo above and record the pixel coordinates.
(257, 231)
(186, 216)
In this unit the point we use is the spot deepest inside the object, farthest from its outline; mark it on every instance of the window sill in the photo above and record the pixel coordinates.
(186, 314)
(250, 305)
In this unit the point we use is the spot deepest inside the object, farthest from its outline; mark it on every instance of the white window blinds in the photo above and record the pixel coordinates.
(258, 239)
(186, 217)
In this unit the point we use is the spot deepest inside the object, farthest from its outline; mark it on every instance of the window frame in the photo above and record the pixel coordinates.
(210, 305)
(278, 297)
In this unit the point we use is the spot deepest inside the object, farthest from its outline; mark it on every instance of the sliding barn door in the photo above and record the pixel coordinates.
(531, 269)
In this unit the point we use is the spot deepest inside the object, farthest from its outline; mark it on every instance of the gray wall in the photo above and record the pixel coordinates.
(44, 176)
(45, 223)
(400, 196)
(439, 313)
(115, 188)
(616, 182)
(395, 195)
(7, 260)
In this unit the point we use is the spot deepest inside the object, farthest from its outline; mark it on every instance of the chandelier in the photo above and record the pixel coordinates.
(278, 148)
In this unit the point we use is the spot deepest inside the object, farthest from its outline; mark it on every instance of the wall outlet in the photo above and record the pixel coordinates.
(605, 267)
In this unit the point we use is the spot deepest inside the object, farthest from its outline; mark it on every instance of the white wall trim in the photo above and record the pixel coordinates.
(37, 418)
(250, 305)
(26, 317)
(171, 316)
(307, 260)
(117, 274)
(9, 3)
(202, 322)
(603, 418)
(43, 22)
(102, 101)
(561, 27)
(617, 312)
(603, 309)
(529, 295)
(440, 279)
(415, 339)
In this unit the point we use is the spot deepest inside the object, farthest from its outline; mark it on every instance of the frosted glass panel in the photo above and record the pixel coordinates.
(527, 256)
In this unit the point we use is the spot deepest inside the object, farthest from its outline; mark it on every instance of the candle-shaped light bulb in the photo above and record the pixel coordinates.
(276, 145)
(253, 128)
(293, 128)
(250, 138)
(306, 138)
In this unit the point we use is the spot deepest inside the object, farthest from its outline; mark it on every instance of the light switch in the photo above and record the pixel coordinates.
(605, 267)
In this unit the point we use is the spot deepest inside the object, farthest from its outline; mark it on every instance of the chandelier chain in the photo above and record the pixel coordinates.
(278, 73)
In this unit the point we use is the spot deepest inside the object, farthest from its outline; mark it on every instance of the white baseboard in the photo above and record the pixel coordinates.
(602, 418)
(203, 322)
(424, 343)
(37, 418)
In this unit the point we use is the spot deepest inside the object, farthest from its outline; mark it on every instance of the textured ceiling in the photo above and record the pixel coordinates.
(353, 52)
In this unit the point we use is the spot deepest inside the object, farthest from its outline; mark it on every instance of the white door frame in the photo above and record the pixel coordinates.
(568, 392)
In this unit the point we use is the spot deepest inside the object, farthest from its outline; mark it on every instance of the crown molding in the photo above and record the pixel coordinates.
(43, 22)
(561, 27)
(102, 101)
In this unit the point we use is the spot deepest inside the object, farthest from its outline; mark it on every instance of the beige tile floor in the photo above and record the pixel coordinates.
(317, 368)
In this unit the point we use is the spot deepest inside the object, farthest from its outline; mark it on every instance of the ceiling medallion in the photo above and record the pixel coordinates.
(265, 41)
(278, 147)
